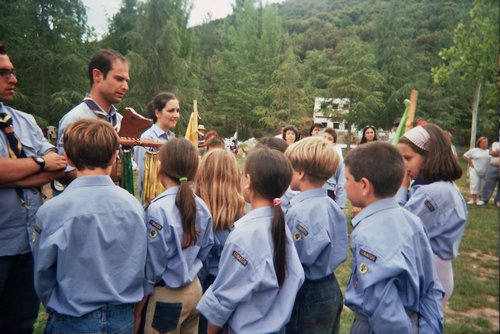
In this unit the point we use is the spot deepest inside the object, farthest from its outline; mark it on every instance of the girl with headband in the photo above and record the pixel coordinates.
(432, 167)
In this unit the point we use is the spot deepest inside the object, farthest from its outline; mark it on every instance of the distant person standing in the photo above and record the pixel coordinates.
(291, 134)
(108, 73)
(492, 177)
(27, 162)
(478, 159)
(369, 134)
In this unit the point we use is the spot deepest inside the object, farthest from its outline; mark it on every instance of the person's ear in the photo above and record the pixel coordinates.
(70, 162)
(366, 186)
(97, 75)
(112, 161)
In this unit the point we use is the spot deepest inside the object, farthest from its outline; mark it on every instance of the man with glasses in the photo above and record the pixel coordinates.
(27, 162)
(108, 72)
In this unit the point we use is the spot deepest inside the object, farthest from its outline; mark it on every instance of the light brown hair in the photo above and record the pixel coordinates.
(90, 143)
(315, 156)
(218, 184)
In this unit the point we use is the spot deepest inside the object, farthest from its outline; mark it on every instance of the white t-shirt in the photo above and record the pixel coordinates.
(480, 158)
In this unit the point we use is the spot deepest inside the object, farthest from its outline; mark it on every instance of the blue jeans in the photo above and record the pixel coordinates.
(317, 307)
(19, 303)
(491, 181)
(115, 319)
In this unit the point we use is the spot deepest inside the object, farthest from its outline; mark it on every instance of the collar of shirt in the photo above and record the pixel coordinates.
(255, 214)
(101, 112)
(302, 196)
(169, 191)
(162, 134)
(91, 180)
(380, 205)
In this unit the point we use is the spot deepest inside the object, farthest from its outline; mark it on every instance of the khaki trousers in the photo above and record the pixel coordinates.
(175, 306)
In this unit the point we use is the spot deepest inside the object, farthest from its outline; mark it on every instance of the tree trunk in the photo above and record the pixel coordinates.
(475, 107)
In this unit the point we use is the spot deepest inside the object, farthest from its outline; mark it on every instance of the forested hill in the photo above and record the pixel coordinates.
(262, 66)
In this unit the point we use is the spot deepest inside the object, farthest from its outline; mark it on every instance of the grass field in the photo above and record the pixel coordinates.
(474, 305)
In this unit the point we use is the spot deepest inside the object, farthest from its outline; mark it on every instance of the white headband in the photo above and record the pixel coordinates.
(419, 136)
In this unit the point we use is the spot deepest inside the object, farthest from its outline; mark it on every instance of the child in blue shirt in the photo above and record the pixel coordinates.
(89, 243)
(259, 270)
(319, 230)
(180, 237)
(394, 287)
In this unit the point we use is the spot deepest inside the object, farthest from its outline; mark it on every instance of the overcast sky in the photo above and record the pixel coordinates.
(99, 11)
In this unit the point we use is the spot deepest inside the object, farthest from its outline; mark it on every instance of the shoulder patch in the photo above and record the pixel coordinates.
(368, 255)
(363, 268)
(155, 225)
(37, 229)
(302, 229)
(240, 258)
(429, 206)
(153, 233)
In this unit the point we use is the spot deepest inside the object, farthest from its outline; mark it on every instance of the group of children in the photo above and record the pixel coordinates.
(194, 252)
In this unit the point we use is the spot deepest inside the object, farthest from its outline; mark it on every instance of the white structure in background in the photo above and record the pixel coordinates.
(332, 105)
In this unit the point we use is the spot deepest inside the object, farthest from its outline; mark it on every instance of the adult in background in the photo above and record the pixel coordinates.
(164, 110)
(492, 177)
(368, 135)
(335, 185)
(27, 162)
(478, 159)
(291, 134)
(315, 129)
(108, 72)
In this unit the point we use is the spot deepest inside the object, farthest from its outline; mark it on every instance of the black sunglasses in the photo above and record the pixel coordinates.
(7, 72)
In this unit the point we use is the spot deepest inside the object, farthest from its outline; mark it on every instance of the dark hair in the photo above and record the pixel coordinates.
(363, 138)
(273, 143)
(158, 103)
(380, 163)
(179, 160)
(315, 125)
(3, 49)
(90, 143)
(103, 61)
(214, 142)
(270, 173)
(332, 132)
(439, 162)
(294, 129)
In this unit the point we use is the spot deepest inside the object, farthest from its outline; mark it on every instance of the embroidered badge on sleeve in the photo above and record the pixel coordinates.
(155, 225)
(429, 206)
(368, 255)
(240, 258)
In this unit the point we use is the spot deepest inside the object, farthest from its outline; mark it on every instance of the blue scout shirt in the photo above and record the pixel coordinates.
(319, 230)
(154, 132)
(89, 246)
(443, 211)
(393, 271)
(337, 184)
(286, 199)
(15, 220)
(83, 111)
(166, 259)
(245, 293)
(211, 265)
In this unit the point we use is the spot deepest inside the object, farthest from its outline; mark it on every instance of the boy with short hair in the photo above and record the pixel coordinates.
(394, 286)
(319, 229)
(89, 243)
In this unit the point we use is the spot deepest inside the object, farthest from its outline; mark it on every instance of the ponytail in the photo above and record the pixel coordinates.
(186, 202)
(279, 239)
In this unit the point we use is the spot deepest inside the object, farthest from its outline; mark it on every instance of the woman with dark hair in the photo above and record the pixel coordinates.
(291, 134)
(315, 129)
(369, 134)
(164, 110)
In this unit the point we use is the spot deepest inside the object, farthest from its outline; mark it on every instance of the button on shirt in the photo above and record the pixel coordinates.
(89, 247)
(443, 211)
(154, 132)
(246, 294)
(319, 229)
(166, 259)
(15, 220)
(393, 272)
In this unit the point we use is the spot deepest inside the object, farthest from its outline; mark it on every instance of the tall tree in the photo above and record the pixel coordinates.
(473, 56)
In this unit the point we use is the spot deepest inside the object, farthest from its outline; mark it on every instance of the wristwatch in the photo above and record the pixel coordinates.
(40, 161)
